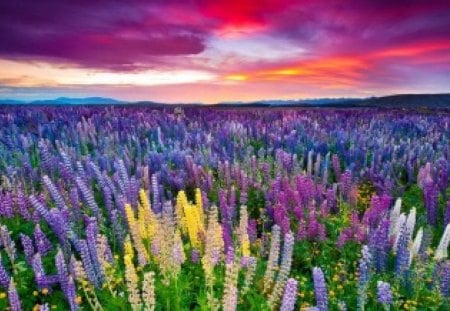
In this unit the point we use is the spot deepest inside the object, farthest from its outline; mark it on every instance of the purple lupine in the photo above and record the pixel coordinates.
(431, 194)
(91, 239)
(88, 197)
(364, 276)
(320, 289)
(62, 271)
(43, 245)
(4, 276)
(87, 262)
(56, 196)
(13, 297)
(7, 243)
(195, 255)
(447, 214)
(336, 166)
(229, 255)
(252, 230)
(28, 247)
(38, 269)
(7, 205)
(226, 234)
(65, 280)
(379, 244)
(384, 293)
(22, 205)
(403, 253)
(289, 296)
(444, 287)
(346, 180)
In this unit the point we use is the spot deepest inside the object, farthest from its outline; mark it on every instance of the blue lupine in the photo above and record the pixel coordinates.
(384, 293)
(320, 289)
(289, 296)
(13, 297)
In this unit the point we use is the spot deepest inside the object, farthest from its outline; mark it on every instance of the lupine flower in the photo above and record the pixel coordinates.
(402, 256)
(289, 296)
(285, 269)
(4, 276)
(320, 289)
(13, 297)
(384, 293)
(28, 247)
(148, 291)
(364, 276)
(441, 251)
(272, 262)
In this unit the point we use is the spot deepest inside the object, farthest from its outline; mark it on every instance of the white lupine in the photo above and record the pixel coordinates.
(441, 251)
(411, 222)
(397, 230)
(415, 247)
(395, 214)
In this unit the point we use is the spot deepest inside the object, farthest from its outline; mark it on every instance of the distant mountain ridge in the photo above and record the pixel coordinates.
(406, 101)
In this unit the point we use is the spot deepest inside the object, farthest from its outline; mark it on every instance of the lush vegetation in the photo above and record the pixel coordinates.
(202, 209)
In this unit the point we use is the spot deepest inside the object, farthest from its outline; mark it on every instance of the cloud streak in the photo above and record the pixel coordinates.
(241, 49)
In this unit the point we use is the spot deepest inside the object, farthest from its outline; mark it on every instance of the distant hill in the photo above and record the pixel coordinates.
(402, 101)
(406, 101)
(65, 101)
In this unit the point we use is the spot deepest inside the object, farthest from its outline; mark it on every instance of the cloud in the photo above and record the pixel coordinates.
(227, 48)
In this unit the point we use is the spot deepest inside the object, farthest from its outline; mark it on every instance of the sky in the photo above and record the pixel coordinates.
(223, 50)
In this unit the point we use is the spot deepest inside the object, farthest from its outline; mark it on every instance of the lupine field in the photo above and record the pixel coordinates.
(137, 208)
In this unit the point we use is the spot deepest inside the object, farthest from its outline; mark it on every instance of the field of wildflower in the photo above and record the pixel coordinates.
(138, 208)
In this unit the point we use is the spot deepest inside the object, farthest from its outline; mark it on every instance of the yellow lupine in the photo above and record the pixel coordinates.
(245, 246)
(135, 235)
(148, 214)
(179, 210)
(192, 220)
(199, 204)
(134, 297)
(128, 248)
(142, 222)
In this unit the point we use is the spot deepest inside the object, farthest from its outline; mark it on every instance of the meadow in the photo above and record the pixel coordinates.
(141, 208)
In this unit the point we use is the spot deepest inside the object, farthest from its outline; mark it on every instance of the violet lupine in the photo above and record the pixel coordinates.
(91, 239)
(285, 269)
(87, 262)
(444, 287)
(43, 245)
(88, 197)
(336, 167)
(447, 214)
(65, 280)
(431, 194)
(56, 196)
(379, 244)
(320, 289)
(13, 297)
(4, 276)
(364, 276)
(22, 205)
(402, 255)
(38, 269)
(384, 294)
(28, 247)
(289, 295)
(272, 262)
(7, 243)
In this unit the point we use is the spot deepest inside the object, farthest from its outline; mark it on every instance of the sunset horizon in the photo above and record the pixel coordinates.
(209, 52)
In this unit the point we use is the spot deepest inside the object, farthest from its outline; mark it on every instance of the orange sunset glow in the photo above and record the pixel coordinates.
(213, 51)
